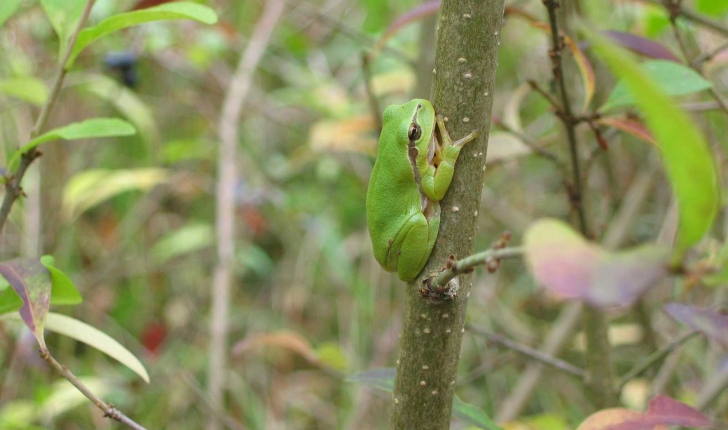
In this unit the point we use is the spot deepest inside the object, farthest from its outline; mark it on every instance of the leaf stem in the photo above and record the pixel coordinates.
(12, 181)
(109, 410)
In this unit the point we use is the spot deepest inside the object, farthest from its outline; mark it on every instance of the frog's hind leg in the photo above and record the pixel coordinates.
(416, 247)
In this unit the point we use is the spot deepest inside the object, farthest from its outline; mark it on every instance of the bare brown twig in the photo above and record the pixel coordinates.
(535, 354)
(600, 373)
(676, 11)
(109, 410)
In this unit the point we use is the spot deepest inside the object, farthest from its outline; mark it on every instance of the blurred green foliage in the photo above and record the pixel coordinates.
(310, 304)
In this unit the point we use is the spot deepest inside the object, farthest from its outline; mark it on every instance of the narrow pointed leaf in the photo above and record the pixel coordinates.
(685, 153)
(27, 88)
(588, 78)
(641, 45)
(631, 126)
(710, 323)
(91, 187)
(176, 10)
(83, 332)
(468, 413)
(32, 283)
(90, 128)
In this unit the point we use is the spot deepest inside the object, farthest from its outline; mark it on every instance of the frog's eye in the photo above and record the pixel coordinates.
(415, 132)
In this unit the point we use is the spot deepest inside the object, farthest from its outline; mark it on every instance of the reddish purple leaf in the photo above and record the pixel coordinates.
(676, 413)
(711, 323)
(32, 282)
(565, 263)
(629, 125)
(643, 46)
(663, 410)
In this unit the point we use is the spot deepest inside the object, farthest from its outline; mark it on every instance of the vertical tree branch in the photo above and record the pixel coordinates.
(239, 86)
(465, 63)
(12, 180)
(600, 371)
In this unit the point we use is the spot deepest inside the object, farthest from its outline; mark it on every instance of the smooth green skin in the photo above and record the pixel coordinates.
(408, 181)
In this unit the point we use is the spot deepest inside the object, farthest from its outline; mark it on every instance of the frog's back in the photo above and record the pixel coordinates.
(393, 195)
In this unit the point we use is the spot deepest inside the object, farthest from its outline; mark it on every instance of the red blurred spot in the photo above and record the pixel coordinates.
(153, 336)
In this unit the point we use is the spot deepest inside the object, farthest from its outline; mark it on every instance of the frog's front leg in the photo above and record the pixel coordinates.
(438, 176)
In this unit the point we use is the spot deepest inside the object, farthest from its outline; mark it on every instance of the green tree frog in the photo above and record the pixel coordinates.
(413, 170)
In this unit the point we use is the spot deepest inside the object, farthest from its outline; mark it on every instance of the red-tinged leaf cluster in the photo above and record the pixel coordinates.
(629, 125)
(711, 323)
(32, 282)
(566, 264)
(661, 412)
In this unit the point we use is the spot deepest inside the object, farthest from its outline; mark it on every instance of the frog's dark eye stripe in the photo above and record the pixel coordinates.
(415, 132)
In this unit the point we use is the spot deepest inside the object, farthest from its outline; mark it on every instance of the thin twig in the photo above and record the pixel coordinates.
(534, 146)
(654, 358)
(12, 181)
(599, 366)
(109, 410)
(469, 263)
(566, 116)
(238, 89)
(703, 20)
(675, 10)
(707, 56)
(545, 94)
(528, 351)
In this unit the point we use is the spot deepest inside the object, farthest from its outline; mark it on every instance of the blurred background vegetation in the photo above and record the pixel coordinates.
(131, 220)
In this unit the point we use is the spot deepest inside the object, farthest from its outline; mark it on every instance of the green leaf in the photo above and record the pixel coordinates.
(470, 414)
(8, 9)
(672, 78)
(191, 238)
(63, 291)
(64, 16)
(168, 11)
(95, 127)
(687, 158)
(126, 102)
(32, 283)
(83, 332)
(91, 187)
(9, 300)
(27, 88)
(712, 7)
(383, 379)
